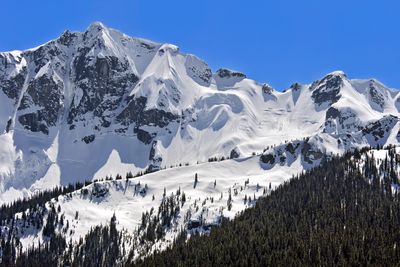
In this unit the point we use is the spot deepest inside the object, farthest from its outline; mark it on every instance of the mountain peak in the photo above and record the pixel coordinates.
(327, 90)
(67, 37)
(96, 26)
(332, 79)
(95, 30)
(168, 47)
(337, 73)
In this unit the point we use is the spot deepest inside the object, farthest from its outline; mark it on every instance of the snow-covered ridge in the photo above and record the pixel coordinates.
(90, 104)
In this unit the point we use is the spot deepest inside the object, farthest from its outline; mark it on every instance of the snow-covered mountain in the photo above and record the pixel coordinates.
(90, 104)
(87, 105)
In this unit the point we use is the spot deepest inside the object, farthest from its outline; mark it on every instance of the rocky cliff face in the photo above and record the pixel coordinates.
(99, 102)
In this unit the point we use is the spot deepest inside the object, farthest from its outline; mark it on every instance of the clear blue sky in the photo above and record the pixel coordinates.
(278, 42)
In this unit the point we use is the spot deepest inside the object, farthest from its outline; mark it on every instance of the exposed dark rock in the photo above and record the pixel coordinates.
(326, 97)
(45, 93)
(67, 38)
(295, 86)
(379, 128)
(327, 90)
(161, 52)
(198, 70)
(398, 136)
(104, 82)
(4, 61)
(267, 89)
(343, 120)
(105, 123)
(34, 122)
(311, 153)
(332, 113)
(9, 122)
(13, 86)
(132, 113)
(153, 150)
(89, 138)
(155, 160)
(144, 136)
(206, 76)
(102, 68)
(268, 93)
(43, 54)
(292, 148)
(375, 129)
(225, 73)
(147, 46)
(121, 130)
(135, 113)
(268, 158)
(80, 63)
(376, 96)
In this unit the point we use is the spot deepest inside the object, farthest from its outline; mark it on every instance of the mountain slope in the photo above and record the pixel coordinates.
(345, 211)
(128, 199)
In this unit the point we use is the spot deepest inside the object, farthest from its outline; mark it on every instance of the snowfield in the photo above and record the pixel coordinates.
(128, 199)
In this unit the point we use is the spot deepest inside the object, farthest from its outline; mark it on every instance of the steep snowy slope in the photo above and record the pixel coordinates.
(99, 102)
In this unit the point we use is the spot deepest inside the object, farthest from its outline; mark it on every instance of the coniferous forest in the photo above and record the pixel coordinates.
(346, 212)
(334, 215)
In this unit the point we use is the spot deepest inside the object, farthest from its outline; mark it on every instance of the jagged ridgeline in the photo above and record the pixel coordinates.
(140, 105)
(344, 212)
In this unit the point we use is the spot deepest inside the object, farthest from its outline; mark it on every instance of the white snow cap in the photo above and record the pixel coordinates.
(338, 73)
(169, 47)
(96, 26)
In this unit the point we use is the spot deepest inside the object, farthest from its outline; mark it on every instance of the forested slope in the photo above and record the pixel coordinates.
(345, 212)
